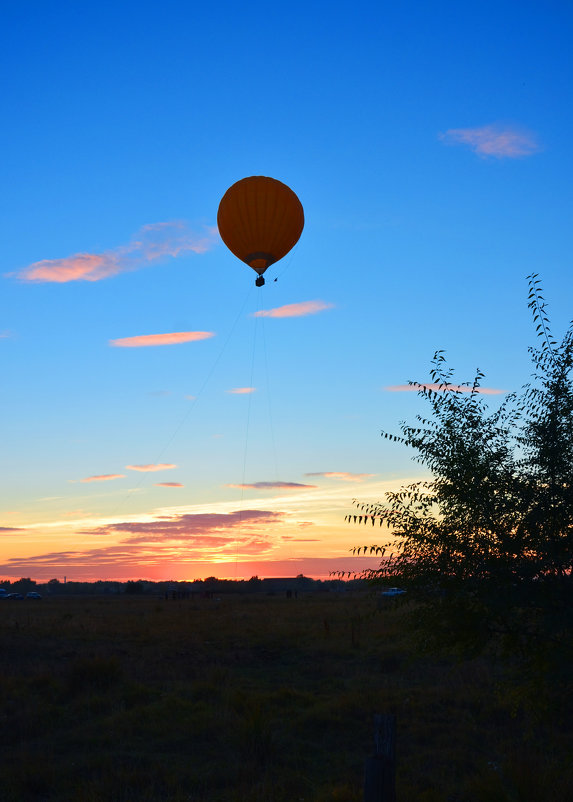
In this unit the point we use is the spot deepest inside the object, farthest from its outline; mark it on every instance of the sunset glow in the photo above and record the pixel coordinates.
(170, 413)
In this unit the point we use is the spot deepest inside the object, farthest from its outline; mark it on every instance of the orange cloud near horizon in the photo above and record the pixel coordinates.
(295, 310)
(105, 477)
(160, 466)
(440, 388)
(152, 243)
(501, 142)
(168, 484)
(173, 338)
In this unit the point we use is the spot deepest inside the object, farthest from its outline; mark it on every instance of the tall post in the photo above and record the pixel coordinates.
(380, 769)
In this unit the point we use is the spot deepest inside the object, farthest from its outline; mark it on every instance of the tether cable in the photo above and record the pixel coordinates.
(269, 404)
(245, 449)
(288, 264)
(192, 406)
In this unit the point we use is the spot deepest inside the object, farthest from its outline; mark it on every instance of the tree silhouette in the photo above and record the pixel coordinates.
(485, 547)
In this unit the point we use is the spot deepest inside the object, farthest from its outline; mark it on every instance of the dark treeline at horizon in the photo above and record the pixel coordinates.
(300, 583)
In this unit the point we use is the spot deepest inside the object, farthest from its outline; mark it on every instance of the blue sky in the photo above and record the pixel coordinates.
(429, 144)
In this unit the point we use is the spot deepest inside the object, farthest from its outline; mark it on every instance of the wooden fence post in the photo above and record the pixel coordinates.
(380, 770)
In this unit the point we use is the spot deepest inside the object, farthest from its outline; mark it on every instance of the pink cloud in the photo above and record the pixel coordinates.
(169, 484)
(295, 310)
(343, 475)
(455, 388)
(196, 526)
(274, 486)
(242, 390)
(176, 541)
(145, 340)
(502, 142)
(185, 537)
(160, 466)
(105, 477)
(151, 244)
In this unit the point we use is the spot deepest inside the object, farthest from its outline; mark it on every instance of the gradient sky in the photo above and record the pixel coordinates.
(161, 416)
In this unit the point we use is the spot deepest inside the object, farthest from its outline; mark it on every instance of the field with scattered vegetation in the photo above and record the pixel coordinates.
(256, 698)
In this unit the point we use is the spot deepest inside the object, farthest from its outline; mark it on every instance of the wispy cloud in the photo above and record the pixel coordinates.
(151, 244)
(189, 525)
(146, 340)
(295, 310)
(342, 475)
(274, 486)
(169, 484)
(441, 388)
(5, 334)
(104, 477)
(159, 466)
(10, 529)
(242, 390)
(499, 141)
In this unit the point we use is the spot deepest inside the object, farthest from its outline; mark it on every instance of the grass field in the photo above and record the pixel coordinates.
(254, 698)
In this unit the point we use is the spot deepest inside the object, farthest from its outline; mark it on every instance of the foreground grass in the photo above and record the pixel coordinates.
(254, 699)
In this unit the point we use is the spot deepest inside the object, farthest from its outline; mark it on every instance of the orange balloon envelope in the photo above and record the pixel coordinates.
(260, 219)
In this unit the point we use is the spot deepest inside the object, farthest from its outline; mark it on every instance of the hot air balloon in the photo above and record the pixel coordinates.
(260, 219)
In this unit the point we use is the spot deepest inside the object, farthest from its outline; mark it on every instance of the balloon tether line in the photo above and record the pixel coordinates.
(269, 401)
(192, 406)
(288, 263)
(245, 450)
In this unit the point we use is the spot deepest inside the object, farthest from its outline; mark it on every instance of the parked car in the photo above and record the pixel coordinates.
(392, 592)
(13, 596)
(33, 595)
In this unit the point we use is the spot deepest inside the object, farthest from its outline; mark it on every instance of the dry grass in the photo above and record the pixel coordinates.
(253, 699)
